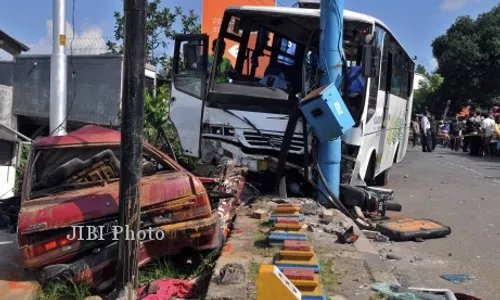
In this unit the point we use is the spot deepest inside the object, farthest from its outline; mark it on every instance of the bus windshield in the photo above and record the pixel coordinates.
(269, 61)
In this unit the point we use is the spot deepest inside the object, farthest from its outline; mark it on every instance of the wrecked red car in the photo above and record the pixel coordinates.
(73, 181)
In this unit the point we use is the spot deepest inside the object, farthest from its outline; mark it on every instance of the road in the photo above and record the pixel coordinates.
(460, 191)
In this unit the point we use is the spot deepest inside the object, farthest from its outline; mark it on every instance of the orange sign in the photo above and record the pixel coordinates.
(211, 21)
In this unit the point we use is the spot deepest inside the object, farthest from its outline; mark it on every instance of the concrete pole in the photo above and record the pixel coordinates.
(331, 43)
(58, 70)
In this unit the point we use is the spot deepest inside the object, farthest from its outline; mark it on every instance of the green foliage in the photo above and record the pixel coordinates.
(468, 55)
(327, 272)
(159, 130)
(159, 268)
(64, 290)
(164, 267)
(428, 95)
(160, 24)
(253, 272)
(421, 69)
(23, 159)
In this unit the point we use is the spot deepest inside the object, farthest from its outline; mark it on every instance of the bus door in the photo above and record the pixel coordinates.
(190, 66)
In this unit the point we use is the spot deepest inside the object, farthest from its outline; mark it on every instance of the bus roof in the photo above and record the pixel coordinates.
(312, 13)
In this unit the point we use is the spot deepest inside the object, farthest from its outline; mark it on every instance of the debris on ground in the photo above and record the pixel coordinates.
(232, 274)
(326, 216)
(382, 238)
(392, 291)
(457, 278)
(259, 214)
(166, 289)
(370, 234)
(393, 257)
(348, 236)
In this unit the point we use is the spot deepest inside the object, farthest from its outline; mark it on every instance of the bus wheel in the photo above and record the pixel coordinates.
(383, 178)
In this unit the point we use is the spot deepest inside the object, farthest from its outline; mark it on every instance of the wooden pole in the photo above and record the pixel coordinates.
(134, 57)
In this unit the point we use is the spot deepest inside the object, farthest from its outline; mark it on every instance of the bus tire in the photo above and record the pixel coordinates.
(370, 170)
(383, 178)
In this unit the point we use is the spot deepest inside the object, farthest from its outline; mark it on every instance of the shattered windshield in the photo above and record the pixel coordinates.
(60, 169)
(280, 63)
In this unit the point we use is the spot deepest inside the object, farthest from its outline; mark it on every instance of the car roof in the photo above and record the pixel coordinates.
(87, 135)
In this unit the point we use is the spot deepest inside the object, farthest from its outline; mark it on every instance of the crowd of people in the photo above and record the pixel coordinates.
(476, 132)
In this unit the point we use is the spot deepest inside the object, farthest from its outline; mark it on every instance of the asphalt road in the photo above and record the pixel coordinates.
(460, 191)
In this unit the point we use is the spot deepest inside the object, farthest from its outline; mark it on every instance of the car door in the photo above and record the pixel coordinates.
(189, 89)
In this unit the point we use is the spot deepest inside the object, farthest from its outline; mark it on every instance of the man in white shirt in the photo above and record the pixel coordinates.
(488, 130)
(425, 126)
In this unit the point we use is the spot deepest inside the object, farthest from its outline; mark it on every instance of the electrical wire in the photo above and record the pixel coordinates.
(73, 73)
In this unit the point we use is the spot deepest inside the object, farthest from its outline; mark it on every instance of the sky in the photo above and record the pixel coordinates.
(415, 23)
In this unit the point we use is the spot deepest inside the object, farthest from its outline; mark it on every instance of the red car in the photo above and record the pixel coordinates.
(72, 182)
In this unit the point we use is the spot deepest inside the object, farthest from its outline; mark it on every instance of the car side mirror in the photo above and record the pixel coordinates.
(371, 61)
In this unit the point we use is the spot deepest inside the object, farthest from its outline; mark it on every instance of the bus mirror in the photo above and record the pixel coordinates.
(371, 61)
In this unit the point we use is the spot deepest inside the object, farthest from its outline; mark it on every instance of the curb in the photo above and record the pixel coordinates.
(379, 269)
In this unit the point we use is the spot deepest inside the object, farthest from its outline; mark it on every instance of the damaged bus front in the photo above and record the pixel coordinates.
(240, 108)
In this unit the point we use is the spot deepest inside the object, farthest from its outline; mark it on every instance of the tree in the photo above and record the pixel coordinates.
(429, 95)
(161, 30)
(421, 69)
(160, 25)
(159, 130)
(469, 58)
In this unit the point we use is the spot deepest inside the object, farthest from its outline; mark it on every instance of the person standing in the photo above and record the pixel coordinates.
(425, 127)
(415, 127)
(475, 140)
(454, 134)
(434, 131)
(497, 135)
(488, 130)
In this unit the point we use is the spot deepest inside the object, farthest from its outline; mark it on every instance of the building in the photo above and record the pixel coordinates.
(10, 138)
(94, 93)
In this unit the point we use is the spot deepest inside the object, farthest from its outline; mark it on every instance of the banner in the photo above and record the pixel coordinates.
(211, 21)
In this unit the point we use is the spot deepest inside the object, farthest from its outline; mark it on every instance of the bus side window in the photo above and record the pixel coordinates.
(374, 84)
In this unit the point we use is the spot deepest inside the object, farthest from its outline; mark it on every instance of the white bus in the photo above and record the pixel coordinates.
(245, 116)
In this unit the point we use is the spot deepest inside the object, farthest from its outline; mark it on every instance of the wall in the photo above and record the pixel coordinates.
(94, 90)
(7, 147)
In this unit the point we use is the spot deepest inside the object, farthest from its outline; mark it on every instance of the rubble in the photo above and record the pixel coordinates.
(382, 238)
(335, 227)
(259, 213)
(370, 234)
(393, 257)
(232, 274)
(326, 216)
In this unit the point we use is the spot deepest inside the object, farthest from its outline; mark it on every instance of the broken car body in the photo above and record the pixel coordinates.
(73, 180)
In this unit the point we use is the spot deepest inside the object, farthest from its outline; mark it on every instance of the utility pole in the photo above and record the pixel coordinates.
(58, 70)
(134, 59)
(330, 51)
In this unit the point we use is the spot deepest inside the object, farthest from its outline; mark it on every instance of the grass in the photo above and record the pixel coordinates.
(327, 272)
(64, 290)
(261, 246)
(253, 271)
(159, 268)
